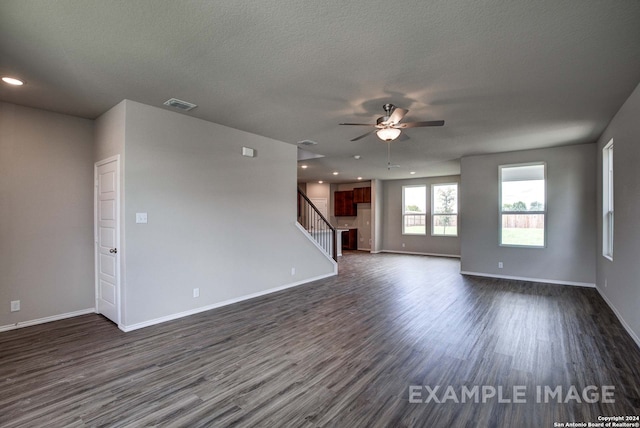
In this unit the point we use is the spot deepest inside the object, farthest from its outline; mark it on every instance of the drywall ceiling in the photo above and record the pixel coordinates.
(504, 74)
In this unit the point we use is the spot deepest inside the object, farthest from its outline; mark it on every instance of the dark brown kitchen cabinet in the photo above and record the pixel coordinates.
(362, 195)
(350, 239)
(343, 204)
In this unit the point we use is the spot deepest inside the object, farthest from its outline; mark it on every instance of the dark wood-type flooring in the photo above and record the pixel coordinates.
(338, 352)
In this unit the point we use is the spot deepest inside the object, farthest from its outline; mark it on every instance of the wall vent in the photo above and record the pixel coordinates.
(179, 104)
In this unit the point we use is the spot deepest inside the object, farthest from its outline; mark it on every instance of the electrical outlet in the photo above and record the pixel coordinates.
(15, 305)
(500, 265)
(293, 271)
(196, 292)
(605, 283)
(403, 245)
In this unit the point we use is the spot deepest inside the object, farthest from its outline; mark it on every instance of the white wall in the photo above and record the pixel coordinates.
(218, 221)
(46, 214)
(569, 256)
(392, 237)
(622, 275)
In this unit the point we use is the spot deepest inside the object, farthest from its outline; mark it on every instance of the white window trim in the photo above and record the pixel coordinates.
(501, 213)
(433, 213)
(424, 214)
(608, 218)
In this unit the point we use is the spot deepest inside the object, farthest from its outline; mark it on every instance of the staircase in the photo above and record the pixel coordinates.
(317, 226)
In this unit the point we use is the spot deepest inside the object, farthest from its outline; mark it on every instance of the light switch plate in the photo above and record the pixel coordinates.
(141, 218)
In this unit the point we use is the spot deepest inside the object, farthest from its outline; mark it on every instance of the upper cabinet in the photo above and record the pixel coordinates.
(344, 204)
(345, 201)
(362, 195)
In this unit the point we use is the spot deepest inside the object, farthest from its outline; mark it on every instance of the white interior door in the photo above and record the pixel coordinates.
(107, 231)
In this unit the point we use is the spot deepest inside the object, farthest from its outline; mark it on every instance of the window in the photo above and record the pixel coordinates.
(444, 203)
(522, 205)
(607, 200)
(414, 210)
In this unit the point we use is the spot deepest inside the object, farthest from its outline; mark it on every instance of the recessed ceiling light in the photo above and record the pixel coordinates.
(303, 166)
(320, 182)
(12, 81)
(335, 172)
(412, 172)
(359, 178)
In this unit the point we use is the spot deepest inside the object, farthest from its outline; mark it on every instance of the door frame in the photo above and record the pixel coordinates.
(96, 252)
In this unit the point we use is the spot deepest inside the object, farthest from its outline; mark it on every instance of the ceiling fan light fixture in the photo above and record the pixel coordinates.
(388, 134)
(12, 81)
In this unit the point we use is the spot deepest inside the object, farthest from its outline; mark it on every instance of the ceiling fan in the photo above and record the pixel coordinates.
(389, 127)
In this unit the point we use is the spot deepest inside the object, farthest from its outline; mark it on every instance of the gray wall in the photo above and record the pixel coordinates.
(377, 207)
(109, 134)
(362, 221)
(46, 214)
(392, 237)
(570, 254)
(109, 141)
(317, 190)
(622, 275)
(320, 191)
(217, 220)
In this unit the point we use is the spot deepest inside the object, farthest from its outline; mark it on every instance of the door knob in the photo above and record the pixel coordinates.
(113, 250)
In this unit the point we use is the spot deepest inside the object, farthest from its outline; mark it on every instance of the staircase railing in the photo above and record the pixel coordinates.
(317, 225)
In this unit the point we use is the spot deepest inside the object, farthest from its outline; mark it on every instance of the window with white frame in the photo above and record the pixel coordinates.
(607, 200)
(523, 205)
(444, 209)
(414, 210)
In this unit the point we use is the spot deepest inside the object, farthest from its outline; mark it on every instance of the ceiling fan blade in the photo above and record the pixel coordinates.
(419, 124)
(358, 124)
(397, 115)
(364, 135)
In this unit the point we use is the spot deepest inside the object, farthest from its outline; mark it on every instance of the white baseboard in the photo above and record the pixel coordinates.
(626, 326)
(47, 319)
(127, 328)
(420, 254)
(522, 278)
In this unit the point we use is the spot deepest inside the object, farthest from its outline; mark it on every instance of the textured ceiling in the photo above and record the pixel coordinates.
(504, 75)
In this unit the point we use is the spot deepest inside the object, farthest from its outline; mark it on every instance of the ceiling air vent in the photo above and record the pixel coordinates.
(307, 143)
(179, 104)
